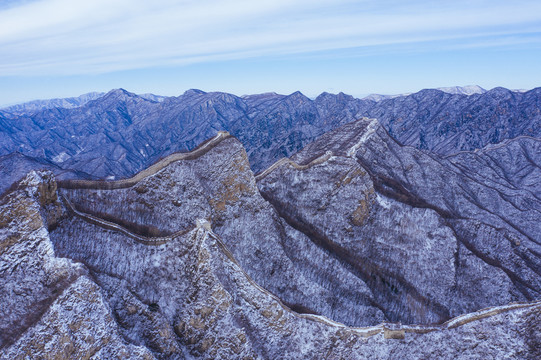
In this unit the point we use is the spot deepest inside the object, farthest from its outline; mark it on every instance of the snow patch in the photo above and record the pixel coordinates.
(386, 204)
(61, 157)
(203, 224)
(369, 130)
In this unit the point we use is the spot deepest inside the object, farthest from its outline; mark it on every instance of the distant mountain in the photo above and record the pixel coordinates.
(15, 166)
(447, 123)
(149, 96)
(121, 133)
(463, 90)
(40, 105)
(379, 97)
(455, 90)
(65, 103)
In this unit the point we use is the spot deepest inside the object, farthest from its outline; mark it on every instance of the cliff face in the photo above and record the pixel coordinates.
(187, 259)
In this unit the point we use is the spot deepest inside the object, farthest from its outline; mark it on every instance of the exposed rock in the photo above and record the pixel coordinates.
(77, 325)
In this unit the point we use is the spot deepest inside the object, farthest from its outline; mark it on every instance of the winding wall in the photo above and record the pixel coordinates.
(153, 169)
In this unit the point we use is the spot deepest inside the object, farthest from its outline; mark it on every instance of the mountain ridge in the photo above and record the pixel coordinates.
(277, 124)
(64, 103)
(213, 289)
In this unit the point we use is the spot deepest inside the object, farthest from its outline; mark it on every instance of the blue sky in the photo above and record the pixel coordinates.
(61, 48)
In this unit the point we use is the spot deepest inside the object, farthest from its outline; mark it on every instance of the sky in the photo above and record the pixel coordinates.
(63, 48)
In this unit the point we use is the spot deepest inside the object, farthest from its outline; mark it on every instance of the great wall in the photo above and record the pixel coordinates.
(389, 330)
(151, 170)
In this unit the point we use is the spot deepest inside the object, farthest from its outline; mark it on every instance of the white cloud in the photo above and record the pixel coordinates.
(78, 37)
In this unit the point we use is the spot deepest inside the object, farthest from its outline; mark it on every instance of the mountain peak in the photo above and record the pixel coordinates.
(340, 96)
(463, 90)
(117, 94)
(261, 95)
(429, 92)
(192, 92)
(297, 95)
(499, 89)
(152, 97)
(500, 92)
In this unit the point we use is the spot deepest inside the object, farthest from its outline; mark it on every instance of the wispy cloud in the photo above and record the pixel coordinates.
(51, 37)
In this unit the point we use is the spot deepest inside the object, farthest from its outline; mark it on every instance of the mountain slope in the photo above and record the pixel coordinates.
(333, 203)
(446, 124)
(429, 239)
(15, 166)
(184, 293)
(215, 183)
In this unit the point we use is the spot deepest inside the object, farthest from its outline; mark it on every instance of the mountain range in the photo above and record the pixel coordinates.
(64, 103)
(121, 133)
(271, 226)
(457, 90)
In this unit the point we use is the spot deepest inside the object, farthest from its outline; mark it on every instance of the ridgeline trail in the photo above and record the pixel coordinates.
(151, 170)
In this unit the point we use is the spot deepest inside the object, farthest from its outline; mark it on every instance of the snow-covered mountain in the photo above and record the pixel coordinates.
(64, 103)
(356, 247)
(121, 133)
(40, 105)
(463, 90)
(455, 90)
